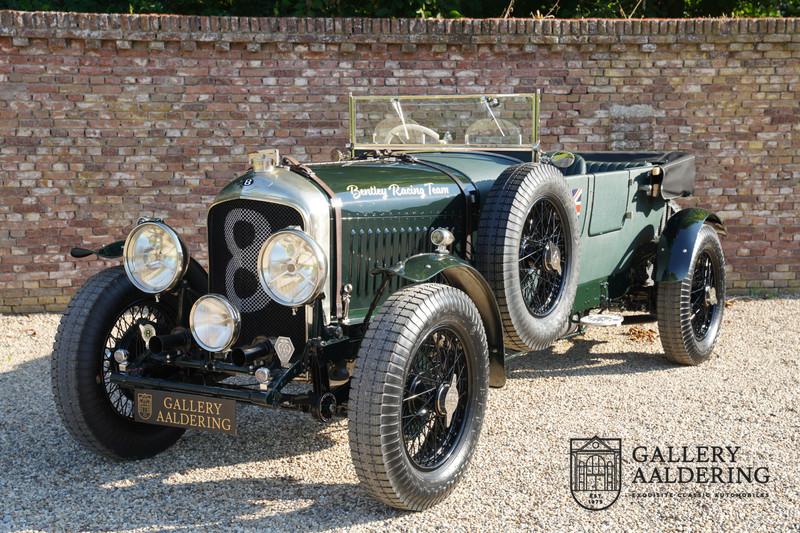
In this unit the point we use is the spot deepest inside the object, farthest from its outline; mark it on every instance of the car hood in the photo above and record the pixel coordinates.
(422, 187)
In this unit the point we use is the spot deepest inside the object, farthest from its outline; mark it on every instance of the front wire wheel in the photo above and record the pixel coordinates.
(434, 399)
(103, 316)
(126, 335)
(418, 395)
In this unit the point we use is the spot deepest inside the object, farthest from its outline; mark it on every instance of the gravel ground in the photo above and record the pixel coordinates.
(286, 471)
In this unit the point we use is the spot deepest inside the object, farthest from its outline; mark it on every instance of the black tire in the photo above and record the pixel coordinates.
(78, 368)
(689, 314)
(506, 222)
(389, 398)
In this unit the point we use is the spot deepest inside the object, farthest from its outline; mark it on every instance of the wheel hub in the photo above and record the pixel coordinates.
(710, 296)
(447, 400)
(552, 258)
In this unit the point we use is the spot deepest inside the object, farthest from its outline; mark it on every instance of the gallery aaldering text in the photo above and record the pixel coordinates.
(694, 464)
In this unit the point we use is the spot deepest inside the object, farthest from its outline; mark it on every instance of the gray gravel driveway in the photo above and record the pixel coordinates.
(286, 471)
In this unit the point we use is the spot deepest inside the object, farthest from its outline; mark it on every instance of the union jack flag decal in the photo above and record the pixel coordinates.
(577, 197)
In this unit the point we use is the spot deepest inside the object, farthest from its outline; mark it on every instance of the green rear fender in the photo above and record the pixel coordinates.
(676, 244)
(460, 274)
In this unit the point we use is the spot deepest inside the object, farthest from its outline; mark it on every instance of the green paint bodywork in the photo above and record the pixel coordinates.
(606, 258)
(458, 273)
(381, 228)
(388, 210)
(424, 267)
(676, 245)
(387, 207)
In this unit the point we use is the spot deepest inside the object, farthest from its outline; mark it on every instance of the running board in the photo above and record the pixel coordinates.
(603, 320)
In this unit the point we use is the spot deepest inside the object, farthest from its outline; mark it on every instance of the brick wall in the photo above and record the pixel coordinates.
(104, 118)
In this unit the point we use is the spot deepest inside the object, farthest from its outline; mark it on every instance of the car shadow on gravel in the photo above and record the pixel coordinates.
(204, 481)
(212, 481)
(581, 359)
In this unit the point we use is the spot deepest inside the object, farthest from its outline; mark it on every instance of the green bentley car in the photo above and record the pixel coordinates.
(390, 285)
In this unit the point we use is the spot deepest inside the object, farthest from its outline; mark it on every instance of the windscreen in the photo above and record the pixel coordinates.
(473, 121)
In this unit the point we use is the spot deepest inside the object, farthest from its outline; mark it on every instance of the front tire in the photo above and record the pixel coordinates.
(418, 396)
(103, 315)
(690, 310)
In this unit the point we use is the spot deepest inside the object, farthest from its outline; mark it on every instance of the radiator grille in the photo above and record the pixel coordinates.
(236, 231)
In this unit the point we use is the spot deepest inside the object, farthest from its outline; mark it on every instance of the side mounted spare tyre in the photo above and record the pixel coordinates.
(529, 251)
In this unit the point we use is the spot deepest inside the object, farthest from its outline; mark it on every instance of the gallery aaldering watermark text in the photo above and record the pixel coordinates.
(701, 471)
(694, 464)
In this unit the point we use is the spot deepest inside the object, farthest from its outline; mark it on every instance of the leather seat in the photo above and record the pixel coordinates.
(593, 167)
(577, 168)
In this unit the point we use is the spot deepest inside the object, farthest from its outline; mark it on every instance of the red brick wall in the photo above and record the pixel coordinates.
(104, 118)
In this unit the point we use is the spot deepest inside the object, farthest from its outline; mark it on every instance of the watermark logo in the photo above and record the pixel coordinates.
(144, 403)
(595, 473)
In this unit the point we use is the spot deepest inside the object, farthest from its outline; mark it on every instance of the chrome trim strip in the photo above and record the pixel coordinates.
(279, 185)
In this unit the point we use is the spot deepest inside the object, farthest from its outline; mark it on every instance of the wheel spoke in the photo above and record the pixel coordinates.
(542, 228)
(701, 307)
(439, 362)
(124, 334)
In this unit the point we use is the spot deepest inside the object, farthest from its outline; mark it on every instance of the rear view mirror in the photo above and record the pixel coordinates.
(561, 159)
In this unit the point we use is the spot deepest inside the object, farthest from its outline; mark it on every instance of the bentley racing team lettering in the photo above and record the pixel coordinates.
(398, 191)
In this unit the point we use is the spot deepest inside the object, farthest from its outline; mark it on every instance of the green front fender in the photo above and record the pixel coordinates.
(460, 274)
(675, 247)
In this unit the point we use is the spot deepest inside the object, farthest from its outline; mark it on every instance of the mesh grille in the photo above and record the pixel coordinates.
(236, 231)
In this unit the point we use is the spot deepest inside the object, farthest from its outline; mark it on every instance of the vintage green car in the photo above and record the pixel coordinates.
(391, 284)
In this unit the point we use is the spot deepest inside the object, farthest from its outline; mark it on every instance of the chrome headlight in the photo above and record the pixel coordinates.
(214, 323)
(292, 267)
(155, 258)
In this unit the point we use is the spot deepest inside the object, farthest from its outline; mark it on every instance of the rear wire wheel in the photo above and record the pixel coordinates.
(690, 310)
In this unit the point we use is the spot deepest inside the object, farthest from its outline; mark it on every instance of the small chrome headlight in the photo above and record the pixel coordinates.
(442, 238)
(214, 323)
(154, 257)
(292, 267)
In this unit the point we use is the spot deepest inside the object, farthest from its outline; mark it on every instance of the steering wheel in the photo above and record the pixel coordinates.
(399, 133)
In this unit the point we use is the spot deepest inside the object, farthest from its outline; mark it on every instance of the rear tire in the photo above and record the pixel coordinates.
(530, 211)
(690, 310)
(99, 418)
(418, 396)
